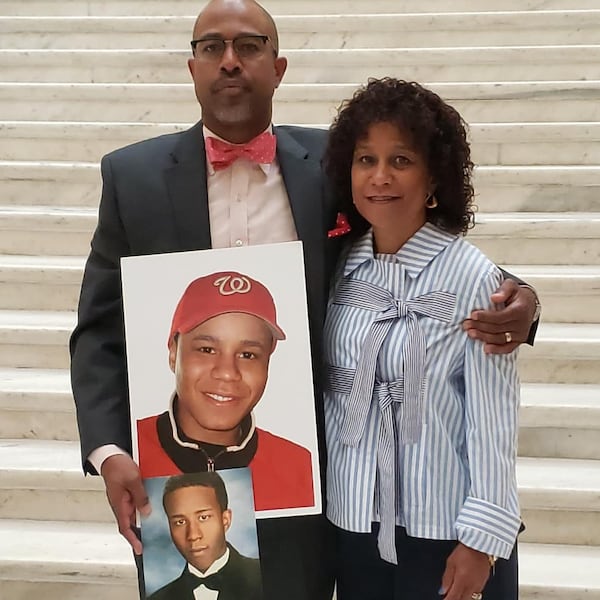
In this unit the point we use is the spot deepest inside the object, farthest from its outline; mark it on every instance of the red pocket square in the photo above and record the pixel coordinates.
(342, 227)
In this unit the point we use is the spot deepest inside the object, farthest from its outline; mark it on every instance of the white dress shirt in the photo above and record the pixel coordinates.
(202, 592)
(248, 204)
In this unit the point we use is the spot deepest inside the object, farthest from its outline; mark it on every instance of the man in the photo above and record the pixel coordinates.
(179, 192)
(197, 508)
(223, 333)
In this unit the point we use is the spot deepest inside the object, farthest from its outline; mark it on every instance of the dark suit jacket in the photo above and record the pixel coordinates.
(154, 200)
(241, 581)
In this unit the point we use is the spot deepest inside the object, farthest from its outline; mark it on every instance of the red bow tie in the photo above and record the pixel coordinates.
(260, 150)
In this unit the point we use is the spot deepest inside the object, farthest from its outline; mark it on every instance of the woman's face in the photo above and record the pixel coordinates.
(390, 185)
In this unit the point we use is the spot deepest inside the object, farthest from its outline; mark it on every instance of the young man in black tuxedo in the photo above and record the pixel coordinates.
(197, 508)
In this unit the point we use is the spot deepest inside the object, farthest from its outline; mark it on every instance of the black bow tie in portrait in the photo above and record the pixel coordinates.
(212, 582)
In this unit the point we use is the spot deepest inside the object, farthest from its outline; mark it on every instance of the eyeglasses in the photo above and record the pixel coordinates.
(245, 46)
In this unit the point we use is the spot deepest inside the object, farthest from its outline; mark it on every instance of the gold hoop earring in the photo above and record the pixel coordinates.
(431, 201)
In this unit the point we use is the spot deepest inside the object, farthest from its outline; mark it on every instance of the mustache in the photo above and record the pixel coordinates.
(227, 81)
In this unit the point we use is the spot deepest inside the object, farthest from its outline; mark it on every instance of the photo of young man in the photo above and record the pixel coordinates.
(223, 333)
(199, 517)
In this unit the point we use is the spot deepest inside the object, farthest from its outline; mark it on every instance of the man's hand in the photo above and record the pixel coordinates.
(496, 327)
(125, 492)
(466, 573)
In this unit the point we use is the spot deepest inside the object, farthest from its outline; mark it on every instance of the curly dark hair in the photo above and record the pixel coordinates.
(437, 132)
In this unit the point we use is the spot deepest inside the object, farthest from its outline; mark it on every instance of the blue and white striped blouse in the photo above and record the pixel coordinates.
(421, 425)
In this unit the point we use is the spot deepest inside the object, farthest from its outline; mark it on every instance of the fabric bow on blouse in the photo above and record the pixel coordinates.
(406, 392)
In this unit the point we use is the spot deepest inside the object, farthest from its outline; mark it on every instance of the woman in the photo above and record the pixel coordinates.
(421, 424)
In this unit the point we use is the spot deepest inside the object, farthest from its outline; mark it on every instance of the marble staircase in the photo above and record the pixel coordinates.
(82, 77)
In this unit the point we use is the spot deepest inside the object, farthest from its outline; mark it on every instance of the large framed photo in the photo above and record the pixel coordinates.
(219, 367)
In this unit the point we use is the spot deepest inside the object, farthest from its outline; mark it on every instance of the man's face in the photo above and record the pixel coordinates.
(221, 368)
(197, 525)
(235, 94)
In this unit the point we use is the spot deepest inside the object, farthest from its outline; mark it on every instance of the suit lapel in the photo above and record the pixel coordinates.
(186, 184)
(304, 184)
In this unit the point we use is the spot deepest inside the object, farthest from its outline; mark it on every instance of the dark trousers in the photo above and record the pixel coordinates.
(362, 575)
(296, 558)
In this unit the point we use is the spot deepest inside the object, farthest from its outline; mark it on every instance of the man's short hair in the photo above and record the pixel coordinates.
(208, 479)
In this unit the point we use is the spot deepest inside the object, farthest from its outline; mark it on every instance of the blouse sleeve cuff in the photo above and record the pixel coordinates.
(487, 527)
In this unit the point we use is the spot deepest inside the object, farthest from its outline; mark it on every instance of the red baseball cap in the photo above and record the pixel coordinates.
(220, 293)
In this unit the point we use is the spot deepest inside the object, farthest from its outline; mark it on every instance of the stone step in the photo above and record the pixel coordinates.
(563, 353)
(61, 560)
(40, 230)
(556, 572)
(535, 143)
(569, 293)
(492, 63)
(541, 236)
(559, 421)
(40, 282)
(43, 479)
(36, 404)
(559, 500)
(276, 7)
(507, 28)
(550, 189)
(537, 189)
(35, 339)
(499, 101)
(538, 238)
(491, 143)
(74, 141)
(55, 184)
(67, 231)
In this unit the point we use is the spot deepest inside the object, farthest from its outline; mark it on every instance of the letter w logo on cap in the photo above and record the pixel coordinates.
(229, 285)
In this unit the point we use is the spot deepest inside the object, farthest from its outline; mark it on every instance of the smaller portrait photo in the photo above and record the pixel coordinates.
(200, 539)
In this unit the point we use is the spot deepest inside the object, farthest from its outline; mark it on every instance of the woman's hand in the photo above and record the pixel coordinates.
(467, 572)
